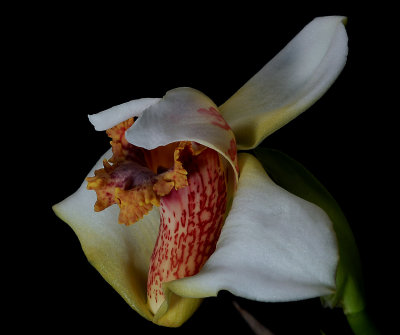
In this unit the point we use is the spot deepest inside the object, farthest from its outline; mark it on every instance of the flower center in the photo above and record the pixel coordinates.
(189, 183)
(138, 178)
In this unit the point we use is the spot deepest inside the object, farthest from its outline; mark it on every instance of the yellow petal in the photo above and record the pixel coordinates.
(121, 254)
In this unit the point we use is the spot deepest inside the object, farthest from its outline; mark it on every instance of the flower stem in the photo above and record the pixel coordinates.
(361, 323)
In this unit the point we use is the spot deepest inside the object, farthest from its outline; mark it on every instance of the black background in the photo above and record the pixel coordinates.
(71, 62)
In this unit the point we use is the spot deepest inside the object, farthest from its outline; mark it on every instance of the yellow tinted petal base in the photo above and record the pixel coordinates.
(121, 255)
(176, 310)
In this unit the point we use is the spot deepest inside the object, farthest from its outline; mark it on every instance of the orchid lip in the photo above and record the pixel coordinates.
(191, 222)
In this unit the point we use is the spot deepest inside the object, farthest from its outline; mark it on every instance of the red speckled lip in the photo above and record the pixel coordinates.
(191, 222)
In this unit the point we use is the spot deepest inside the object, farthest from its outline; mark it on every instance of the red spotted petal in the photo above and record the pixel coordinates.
(191, 222)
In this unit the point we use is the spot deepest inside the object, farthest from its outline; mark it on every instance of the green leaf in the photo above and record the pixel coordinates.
(293, 177)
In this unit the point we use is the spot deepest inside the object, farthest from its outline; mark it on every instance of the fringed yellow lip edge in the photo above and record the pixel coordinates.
(138, 178)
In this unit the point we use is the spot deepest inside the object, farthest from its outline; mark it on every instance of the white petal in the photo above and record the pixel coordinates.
(121, 254)
(182, 115)
(290, 83)
(274, 246)
(117, 114)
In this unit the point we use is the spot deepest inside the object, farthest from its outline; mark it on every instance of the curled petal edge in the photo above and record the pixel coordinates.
(117, 114)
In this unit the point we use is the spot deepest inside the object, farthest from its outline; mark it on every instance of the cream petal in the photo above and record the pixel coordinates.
(292, 176)
(184, 114)
(117, 114)
(274, 246)
(121, 254)
(290, 83)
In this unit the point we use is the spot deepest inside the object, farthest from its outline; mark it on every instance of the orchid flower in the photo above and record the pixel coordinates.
(172, 213)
